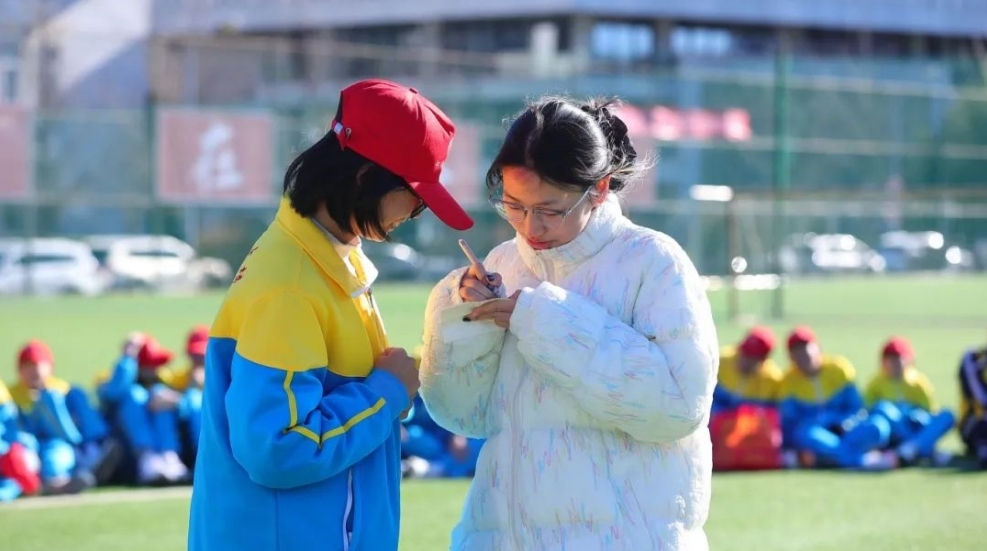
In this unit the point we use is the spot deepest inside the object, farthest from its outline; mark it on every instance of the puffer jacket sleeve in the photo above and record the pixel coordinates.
(653, 379)
(457, 376)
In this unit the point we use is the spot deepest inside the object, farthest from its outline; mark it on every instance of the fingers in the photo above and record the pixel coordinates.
(476, 271)
(473, 291)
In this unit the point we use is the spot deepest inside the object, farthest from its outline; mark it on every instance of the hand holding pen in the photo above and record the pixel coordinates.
(477, 284)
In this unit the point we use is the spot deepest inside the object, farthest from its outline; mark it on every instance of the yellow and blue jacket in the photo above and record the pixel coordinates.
(734, 388)
(300, 440)
(44, 413)
(913, 390)
(827, 399)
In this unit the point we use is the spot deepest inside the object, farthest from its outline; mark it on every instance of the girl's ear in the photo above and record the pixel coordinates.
(600, 191)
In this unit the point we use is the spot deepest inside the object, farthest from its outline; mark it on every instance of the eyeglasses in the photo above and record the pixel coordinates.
(550, 218)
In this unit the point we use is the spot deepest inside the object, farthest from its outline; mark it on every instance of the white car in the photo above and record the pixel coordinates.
(158, 262)
(49, 266)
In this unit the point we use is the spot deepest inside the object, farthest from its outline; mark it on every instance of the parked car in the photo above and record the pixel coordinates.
(49, 266)
(924, 251)
(400, 262)
(813, 253)
(159, 262)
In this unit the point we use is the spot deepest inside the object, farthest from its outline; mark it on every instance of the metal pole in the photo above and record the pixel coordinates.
(782, 165)
(733, 251)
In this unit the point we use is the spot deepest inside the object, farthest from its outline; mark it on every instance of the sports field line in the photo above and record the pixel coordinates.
(100, 498)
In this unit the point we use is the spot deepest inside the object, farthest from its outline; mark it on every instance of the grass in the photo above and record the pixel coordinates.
(817, 511)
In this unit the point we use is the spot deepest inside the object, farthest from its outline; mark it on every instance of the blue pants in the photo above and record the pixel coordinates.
(57, 456)
(146, 430)
(434, 449)
(845, 451)
(915, 427)
(9, 490)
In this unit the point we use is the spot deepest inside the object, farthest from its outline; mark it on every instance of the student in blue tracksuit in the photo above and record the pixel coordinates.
(448, 455)
(823, 419)
(300, 442)
(143, 409)
(69, 436)
(903, 396)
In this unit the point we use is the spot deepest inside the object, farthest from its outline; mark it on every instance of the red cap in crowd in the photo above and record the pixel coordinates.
(802, 334)
(35, 352)
(402, 131)
(898, 346)
(758, 343)
(197, 341)
(152, 355)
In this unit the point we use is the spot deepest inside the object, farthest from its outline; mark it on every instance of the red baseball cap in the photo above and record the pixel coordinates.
(758, 343)
(152, 355)
(898, 346)
(402, 131)
(801, 335)
(35, 352)
(197, 341)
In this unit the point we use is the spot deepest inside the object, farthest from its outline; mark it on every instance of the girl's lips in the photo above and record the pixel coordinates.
(538, 245)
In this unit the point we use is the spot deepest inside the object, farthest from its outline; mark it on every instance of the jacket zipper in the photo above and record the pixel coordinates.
(515, 512)
(347, 534)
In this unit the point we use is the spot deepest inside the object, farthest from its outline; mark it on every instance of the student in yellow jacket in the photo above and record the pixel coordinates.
(747, 375)
(300, 438)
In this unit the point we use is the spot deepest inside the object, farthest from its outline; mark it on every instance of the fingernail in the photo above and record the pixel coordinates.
(466, 318)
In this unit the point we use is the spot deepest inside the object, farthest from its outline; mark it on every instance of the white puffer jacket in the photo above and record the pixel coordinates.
(594, 404)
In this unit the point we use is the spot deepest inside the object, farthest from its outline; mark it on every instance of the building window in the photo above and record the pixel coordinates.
(622, 41)
(492, 36)
(688, 41)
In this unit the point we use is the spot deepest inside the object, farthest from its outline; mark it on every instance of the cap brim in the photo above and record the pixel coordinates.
(437, 199)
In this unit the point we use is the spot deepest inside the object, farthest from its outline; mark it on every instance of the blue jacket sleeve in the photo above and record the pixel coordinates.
(118, 385)
(286, 431)
(844, 404)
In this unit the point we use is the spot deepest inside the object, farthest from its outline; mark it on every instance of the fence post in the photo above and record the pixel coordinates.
(782, 165)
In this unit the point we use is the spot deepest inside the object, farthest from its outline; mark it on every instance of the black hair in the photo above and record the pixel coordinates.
(351, 185)
(571, 145)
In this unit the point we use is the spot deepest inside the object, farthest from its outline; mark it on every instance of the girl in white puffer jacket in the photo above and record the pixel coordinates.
(592, 382)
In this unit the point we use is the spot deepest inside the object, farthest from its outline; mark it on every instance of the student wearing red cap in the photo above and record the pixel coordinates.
(973, 404)
(71, 438)
(145, 411)
(300, 442)
(747, 375)
(822, 411)
(902, 395)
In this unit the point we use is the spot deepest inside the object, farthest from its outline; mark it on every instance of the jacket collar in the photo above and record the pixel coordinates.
(316, 244)
(550, 264)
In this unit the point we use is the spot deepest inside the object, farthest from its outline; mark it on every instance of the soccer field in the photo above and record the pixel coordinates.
(920, 510)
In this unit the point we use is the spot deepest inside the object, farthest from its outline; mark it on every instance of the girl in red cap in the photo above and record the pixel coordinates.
(144, 410)
(590, 370)
(72, 440)
(823, 419)
(747, 375)
(902, 395)
(300, 441)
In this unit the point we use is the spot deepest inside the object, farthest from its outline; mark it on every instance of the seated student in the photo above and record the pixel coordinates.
(973, 404)
(18, 466)
(144, 412)
(70, 437)
(821, 411)
(746, 374)
(901, 394)
(439, 453)
(185, 389)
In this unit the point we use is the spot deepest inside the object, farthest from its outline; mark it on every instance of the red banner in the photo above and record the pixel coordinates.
(668, 124)
(214, 157)
(462, 174)
(15, 153)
